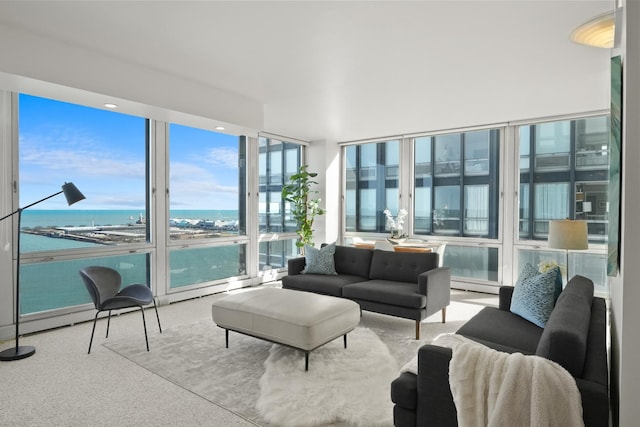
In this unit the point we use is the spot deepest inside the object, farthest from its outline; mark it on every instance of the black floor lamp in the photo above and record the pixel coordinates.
(72, 195)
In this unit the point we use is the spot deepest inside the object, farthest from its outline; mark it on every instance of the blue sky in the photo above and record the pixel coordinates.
(103, 154)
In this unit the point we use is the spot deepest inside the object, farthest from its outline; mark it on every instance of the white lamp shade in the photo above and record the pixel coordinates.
(568, 234)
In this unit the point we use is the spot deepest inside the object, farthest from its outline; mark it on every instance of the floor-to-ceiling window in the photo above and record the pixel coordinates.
(563, 173)
(105, 154)
(164, 201)
(492, 214)
(452, 197)
(207, 214)
(278, 160)
(459, 197)
(456, 198)
(372, 173)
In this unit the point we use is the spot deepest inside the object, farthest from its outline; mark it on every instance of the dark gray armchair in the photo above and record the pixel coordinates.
(104, 285)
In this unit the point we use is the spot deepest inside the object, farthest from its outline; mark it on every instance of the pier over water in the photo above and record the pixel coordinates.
(44, 230)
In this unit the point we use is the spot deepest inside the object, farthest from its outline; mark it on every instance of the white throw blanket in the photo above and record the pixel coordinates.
(495, 389)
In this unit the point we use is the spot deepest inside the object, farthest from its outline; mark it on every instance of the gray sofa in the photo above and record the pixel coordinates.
(401, 284)
(574, 336)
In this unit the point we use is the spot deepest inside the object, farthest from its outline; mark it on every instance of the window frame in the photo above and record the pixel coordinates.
(461, 180)
(362, 181)
(31, 259)
(277, 244)
(213, 243)
(157, 245)
(508, 192)
(572, 176)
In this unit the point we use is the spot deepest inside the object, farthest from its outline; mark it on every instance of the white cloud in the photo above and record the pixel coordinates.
(113, 178)
(225, 156)
(81, 156)
(194, 186)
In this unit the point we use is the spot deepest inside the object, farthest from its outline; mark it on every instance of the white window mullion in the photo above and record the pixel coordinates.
(252, 198)
(159, 177)
(406, 184)
(8, 142)
(508, 202)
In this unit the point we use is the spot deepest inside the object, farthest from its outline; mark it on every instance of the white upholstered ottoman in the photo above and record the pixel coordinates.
(298, 319)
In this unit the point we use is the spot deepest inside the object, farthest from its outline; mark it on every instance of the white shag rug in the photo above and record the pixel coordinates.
(342, 385)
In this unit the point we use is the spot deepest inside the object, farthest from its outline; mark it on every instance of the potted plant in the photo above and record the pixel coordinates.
(304, 205)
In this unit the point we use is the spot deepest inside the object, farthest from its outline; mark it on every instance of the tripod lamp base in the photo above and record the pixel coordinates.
(17, 353)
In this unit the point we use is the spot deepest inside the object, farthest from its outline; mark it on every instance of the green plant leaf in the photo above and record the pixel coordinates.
(304, 207)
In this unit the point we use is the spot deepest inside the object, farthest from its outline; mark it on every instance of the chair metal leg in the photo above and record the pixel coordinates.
(108, 323)
(417, 329)
(444, 315)
(144, 324)
(92, 331)
(157, 317)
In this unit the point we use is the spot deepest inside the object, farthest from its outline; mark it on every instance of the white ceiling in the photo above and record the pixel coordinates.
(348, 70)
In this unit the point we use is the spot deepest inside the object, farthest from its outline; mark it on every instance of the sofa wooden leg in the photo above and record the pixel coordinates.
(417, 329)
(444, 314)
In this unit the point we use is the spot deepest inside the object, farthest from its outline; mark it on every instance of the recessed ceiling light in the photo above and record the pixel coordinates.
(110, 105)
(219, 127)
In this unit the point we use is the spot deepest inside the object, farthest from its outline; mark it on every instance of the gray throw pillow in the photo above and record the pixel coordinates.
(320, 261)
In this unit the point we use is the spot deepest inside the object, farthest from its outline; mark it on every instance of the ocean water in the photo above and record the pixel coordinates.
(52, 285)
(32, 218)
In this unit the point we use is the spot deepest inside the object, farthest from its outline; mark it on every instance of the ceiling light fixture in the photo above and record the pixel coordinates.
(219, 127)
(598, 31)
(110, 105)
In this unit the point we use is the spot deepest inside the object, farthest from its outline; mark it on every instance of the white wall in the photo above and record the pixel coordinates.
(324, 157)
(147, 92)
(625, 288)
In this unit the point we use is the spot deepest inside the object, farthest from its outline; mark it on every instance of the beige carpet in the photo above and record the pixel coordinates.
(194, 357)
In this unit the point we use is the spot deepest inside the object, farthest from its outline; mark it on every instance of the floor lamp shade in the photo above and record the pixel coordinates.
(568, 234)
(73, 195)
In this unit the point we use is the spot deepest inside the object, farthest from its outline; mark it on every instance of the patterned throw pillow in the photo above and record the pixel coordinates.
(320, 261)
(535, 294)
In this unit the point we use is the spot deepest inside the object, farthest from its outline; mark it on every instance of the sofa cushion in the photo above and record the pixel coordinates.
(353, 261)
(386, 291)
(502, 330)
(319, 261)
(565, 335)
(401, 266)
(320, 283)
(535, 294)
